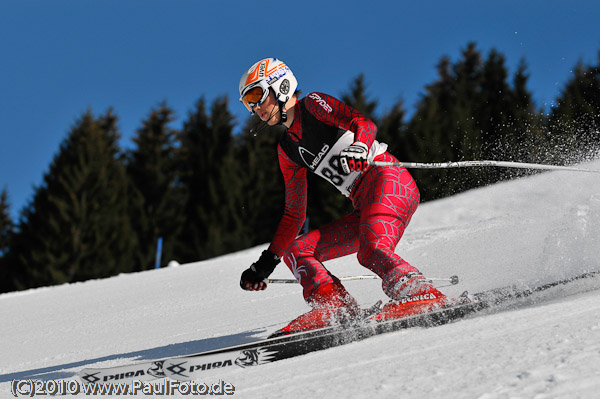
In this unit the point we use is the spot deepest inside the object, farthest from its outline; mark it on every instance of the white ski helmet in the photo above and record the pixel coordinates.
(266, 74)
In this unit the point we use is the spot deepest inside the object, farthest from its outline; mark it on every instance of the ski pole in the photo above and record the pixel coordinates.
(452, 279)
(346, 278)
(464, 164)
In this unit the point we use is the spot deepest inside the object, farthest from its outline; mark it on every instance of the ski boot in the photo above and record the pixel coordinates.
(415, 295)
(332, 305)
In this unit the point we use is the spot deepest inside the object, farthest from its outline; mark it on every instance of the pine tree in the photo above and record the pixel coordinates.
(209, 176)
(6, 223)
(392, 131)
(227, 222)
(6, 231)
(261, 181)
(574, 124)
(471, 112)
(156, 199)
(357, 98)
(431, 133)
(77, 226)
(527, 138)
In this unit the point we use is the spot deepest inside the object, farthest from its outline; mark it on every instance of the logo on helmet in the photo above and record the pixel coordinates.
(284, 88)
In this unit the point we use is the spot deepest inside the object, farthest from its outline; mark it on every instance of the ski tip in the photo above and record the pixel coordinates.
(278, 333)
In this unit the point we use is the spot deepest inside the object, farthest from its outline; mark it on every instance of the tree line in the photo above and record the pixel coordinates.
(207, 191)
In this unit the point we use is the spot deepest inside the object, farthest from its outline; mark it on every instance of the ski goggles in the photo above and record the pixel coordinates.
(255, 96)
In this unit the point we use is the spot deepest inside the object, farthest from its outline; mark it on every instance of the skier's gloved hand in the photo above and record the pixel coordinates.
(354, 157)
(254, 278)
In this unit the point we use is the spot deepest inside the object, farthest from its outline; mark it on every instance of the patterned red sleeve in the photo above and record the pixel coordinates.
(334, 112)
(294, 213)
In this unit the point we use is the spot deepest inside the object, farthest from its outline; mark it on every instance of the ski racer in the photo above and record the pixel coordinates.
(333, 140)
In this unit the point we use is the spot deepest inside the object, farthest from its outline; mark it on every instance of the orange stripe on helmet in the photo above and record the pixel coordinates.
(255, 75)
(269, 72)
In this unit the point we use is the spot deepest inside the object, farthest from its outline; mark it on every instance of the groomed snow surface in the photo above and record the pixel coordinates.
(526, 232)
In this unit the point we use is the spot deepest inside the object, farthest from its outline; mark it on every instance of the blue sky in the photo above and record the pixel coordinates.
(61, 57)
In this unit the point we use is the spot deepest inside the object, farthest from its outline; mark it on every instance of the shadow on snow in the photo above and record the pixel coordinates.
(63, 371)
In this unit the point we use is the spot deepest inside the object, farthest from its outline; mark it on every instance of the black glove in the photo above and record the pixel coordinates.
(253, 278)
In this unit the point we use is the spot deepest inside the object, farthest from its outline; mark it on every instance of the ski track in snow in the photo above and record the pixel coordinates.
(525, 232)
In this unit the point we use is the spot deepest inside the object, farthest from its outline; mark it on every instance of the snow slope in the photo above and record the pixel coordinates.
(529, 231)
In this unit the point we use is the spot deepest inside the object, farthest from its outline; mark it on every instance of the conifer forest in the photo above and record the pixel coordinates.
(207, 190)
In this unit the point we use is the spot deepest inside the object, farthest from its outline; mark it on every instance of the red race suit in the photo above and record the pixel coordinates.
(384, 198)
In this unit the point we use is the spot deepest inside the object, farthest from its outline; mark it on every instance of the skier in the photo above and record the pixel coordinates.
(333, 140)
